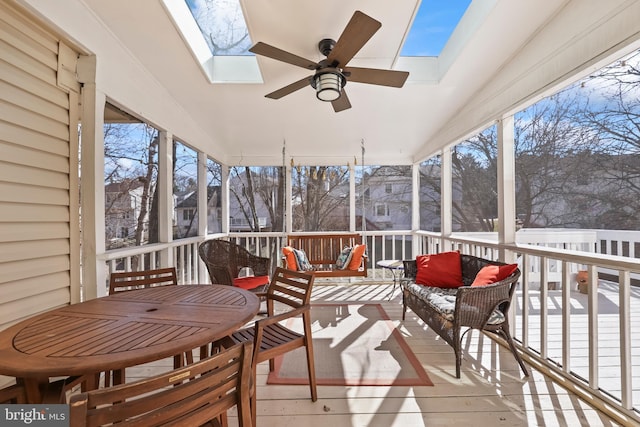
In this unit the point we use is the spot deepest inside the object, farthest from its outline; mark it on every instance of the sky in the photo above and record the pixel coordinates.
(434, 23)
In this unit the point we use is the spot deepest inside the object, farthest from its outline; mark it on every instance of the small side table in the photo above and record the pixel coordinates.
(396, 267)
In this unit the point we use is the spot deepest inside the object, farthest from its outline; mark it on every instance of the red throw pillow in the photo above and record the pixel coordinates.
(443, 270)
(290, 257)
(493, 273)
(356, 257)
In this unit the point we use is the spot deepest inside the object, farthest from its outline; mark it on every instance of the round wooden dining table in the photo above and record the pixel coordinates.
(121, 330)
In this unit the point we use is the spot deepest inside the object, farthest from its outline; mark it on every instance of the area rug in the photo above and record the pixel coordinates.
(353, 344)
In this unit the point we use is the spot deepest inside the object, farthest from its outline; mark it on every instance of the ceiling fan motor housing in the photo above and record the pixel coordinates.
(326, 46)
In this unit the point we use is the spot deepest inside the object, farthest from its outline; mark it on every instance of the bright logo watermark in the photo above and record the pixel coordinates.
(34, 415)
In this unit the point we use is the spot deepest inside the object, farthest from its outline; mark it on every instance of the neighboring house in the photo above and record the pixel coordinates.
(185, 221)
(388, 201)
(186, 213)
(240, 217)
(123, 203)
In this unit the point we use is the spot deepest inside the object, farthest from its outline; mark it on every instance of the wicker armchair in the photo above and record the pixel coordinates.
(224, 260)
(475, 307)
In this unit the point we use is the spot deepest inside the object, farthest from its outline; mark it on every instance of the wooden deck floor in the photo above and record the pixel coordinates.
(491, 392)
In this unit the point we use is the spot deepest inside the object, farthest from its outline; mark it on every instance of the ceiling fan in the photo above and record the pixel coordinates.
(331, 74)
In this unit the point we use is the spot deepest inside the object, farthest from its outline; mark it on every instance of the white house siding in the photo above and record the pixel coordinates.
(39, 218)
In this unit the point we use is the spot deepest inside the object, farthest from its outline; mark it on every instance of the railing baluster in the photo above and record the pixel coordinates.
(524, 284)
(544, 312)
(624, 301)
(592, 310)
(566, 317)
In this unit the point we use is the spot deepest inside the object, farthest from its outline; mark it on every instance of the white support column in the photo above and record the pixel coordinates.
(415, 208)
(446, 198)
(74, 199)
(203, 192)
(507, 203)
(166, 209)
(506, 185)
(94, 272)
(352, 199)
(224, 197)
(203, 214)
(288, 195)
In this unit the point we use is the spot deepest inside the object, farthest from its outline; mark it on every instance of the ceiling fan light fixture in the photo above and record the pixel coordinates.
(328, 85)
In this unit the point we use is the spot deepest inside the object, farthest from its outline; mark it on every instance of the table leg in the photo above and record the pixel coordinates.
(32, 389)
(395, 282)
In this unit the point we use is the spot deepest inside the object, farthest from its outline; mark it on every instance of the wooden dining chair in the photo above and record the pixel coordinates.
(132, 280)
(270, 338)
(51, 392)
(14, 393)
(188, 396)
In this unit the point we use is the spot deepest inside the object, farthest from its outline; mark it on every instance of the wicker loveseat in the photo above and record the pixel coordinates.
(448, 310)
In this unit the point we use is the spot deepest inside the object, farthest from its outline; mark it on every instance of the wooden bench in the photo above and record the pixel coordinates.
(323, 250)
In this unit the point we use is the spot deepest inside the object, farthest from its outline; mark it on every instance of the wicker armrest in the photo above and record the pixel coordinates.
(475, 304)
(410, 268)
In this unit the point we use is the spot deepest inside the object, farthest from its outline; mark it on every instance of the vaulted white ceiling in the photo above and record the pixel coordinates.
(502, 53)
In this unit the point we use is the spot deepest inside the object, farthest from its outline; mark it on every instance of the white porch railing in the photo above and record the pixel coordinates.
(183, 254)
(585, 340)
(591, 342)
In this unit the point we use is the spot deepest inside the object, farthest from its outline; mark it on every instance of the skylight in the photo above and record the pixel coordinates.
(224, 29)
(217, 35)
(222, 24)
(433, 25)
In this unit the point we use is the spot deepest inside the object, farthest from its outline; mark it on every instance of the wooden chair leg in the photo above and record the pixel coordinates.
(312, 375)
(221, 421)
(118, 377)
(56, 391)
(308, 345)
(113, 378)
(252, 398)
(204, 352)
(180, 360)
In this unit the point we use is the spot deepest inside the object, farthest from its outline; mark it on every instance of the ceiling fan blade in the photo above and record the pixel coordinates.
(289, 88)
(281, 55)
(376, 76)
(341, 103)
(358, 31)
